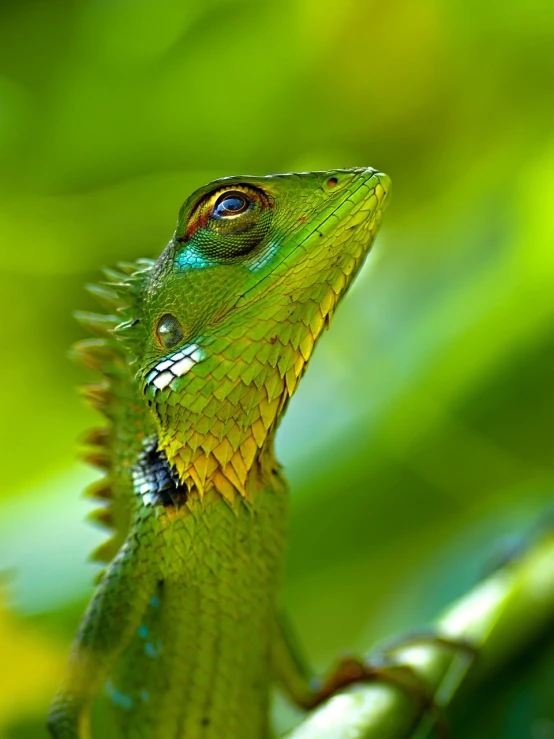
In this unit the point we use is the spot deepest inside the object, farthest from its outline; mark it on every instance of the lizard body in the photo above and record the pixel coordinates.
(207, 347)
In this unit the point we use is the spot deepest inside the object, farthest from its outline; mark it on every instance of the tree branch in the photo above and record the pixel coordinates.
(500, 618)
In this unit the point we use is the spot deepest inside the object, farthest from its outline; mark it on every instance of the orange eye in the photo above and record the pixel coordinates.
(169, 331)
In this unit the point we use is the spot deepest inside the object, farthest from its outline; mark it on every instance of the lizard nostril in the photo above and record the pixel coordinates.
(332, 181)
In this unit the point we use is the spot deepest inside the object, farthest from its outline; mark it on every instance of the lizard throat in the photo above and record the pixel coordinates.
(216, 428)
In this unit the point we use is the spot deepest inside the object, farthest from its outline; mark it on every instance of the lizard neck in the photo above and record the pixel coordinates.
(230, 451)
(216, 424)
(217, 430)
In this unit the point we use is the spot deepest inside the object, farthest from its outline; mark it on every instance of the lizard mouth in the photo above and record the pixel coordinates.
(361, 206)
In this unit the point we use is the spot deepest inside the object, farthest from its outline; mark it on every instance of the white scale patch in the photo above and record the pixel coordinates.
(176, 365)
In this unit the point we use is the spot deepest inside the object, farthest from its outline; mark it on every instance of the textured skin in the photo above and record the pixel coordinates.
(184, 621)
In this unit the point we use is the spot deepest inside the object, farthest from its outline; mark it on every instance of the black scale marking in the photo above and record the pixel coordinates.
(154, 480)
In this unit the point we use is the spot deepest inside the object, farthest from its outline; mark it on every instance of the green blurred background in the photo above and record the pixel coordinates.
(421, 439)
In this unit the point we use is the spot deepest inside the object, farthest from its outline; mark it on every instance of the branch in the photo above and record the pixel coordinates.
(500, 618)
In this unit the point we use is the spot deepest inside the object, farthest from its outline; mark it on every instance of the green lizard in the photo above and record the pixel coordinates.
(204, 350)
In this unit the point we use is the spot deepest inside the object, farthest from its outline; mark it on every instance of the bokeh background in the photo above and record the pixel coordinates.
(420, 443)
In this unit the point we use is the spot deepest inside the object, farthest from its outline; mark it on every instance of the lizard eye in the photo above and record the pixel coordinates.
(168, 331)
(227, 225)
(231, 204)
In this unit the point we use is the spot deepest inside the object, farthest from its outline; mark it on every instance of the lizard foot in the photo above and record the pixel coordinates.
(385, 667)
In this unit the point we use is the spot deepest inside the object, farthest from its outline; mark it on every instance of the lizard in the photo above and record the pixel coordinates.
(199, 355)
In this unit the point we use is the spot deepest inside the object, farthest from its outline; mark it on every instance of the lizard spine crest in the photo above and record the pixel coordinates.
(109, 353)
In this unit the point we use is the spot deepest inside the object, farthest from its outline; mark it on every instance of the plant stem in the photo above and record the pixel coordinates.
(499, 618)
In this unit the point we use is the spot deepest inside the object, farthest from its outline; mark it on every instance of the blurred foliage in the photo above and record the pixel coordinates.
(422, 435)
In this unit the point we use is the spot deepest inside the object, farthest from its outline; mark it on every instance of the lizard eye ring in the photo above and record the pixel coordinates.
(228, 223)
(231, 203)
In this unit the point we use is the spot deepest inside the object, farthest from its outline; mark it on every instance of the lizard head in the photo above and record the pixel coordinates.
(234, 305)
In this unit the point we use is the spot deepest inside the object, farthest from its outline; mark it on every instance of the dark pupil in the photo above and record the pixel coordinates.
(230, 205)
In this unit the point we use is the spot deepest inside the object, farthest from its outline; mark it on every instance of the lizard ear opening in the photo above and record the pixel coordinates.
(169, 331)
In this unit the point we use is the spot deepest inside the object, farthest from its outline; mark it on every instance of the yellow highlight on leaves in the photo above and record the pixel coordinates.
(32, 667)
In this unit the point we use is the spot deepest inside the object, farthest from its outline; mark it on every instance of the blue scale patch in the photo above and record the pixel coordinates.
(117, 697)
(190, 258)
